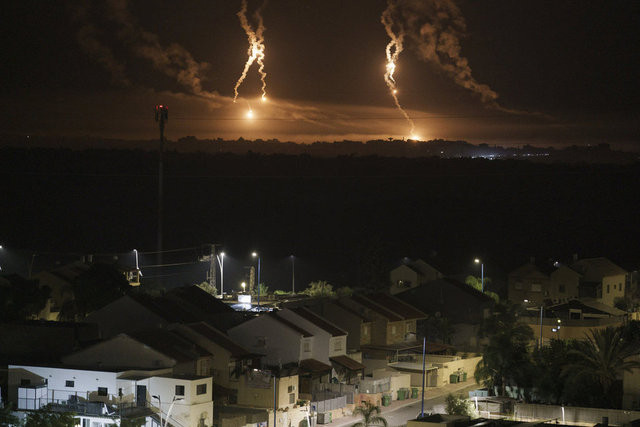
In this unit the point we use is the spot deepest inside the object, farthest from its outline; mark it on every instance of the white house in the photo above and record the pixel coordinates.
(99, 396)
(278, 339)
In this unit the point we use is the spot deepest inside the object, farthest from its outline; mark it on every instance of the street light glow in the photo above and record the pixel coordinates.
(477, 260)
(254, 254)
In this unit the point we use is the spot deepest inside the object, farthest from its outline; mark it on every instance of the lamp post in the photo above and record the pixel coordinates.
(175, 399)
(255, 255)
(541, 315)
(159, 406)
(293, 274)
(244, 287)
(220, 259)
(478, 261)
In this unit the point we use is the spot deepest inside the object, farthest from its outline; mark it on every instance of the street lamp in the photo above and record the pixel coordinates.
(220, 259)
(478, 261)
(244, 287)
(175, 399)
(293, 274)
(255, 255)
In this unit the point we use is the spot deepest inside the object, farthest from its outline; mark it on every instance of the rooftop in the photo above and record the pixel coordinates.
(319, 321)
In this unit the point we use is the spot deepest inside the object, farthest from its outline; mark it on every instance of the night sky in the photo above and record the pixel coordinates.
(504, 72)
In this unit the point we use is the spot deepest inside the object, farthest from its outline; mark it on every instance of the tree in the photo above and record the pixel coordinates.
(458, 405)
(549, 376)
(344, 291)
(208, 288)
(603, 357)
(93, 289)
(44, 417)
(439, 328)
(319, 288)
(6, 416)
(370, 416)
(263, 290)
(21, 299)
(505, 359)
(476, 282)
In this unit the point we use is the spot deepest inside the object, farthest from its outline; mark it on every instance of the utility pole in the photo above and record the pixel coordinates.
(162, 116)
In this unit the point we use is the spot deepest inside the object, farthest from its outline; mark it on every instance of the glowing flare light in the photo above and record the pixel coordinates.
(393, 49)
(256, 48)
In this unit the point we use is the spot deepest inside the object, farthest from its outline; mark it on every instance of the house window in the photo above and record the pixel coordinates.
(365, 331)
(291, 389)
(561, 289)
(292, 398)
(337, 345)
(608, 288)
(102, 391)
(179, 390)
(393, 329)
(408, 327)
(307, 346)
(25, 382)
(201, 389)
(68, 383)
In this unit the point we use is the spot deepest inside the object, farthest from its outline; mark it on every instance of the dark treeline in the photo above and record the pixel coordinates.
(349, 218)
(601, 153)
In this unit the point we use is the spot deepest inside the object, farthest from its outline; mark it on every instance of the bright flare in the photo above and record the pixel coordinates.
(256, 48)
(393, 49)
(250, 114)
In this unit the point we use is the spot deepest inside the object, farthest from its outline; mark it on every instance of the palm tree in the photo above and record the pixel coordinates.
(370, 416)
(603, 356)
(505, 358)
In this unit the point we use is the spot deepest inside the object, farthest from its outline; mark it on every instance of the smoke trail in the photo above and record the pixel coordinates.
(436, 27)
(393, 50)
(256, 47)
(87, 38)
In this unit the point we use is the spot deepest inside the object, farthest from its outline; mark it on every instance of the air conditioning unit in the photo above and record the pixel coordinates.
(324, 417)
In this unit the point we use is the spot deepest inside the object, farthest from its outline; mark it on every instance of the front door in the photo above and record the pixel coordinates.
(141, 395)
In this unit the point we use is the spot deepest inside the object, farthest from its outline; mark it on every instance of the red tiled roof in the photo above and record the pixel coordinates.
(314, 366)
(219, 338)
(397, 306)
(346, 308)
(318, 321)
(377, 308)
(348, 363)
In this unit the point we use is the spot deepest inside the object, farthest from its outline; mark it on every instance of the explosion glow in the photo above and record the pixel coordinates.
(256, 48)
(250, 114)
(393, 49)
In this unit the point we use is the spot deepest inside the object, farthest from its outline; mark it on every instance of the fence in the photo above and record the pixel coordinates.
(572, 414)
(329, 404)
(347, 390)
(370, 386)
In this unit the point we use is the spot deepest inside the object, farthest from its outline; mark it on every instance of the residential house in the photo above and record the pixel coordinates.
(205, 306)
(102, 395)
(573, 319)
(601, 279)
(60, 281)
(356, 324)
(412, 274)
(148, 349)
(330, 346)
(546, 283)
(230, 360)
(257, 388)
(280, 341)
(136, 312)
(463, 306)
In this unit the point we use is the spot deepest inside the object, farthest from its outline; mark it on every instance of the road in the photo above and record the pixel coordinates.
(400, 412)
